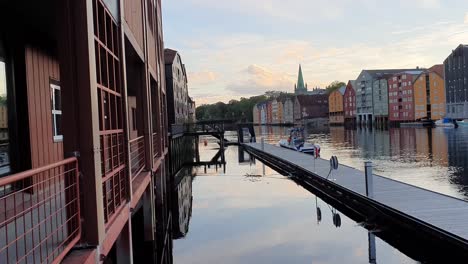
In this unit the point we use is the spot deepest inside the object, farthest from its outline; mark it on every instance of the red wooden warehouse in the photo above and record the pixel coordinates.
(83, 165)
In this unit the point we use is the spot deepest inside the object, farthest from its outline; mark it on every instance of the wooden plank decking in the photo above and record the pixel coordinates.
(434, 209)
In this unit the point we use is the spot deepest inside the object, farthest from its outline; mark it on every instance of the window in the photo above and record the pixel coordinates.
(56, 102)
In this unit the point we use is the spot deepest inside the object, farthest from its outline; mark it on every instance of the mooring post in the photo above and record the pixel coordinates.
(372, 248)
(263, 149)
(369, 179)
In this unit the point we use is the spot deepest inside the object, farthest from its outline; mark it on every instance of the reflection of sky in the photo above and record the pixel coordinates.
(2, 79)
(241, 219)
(425, 158)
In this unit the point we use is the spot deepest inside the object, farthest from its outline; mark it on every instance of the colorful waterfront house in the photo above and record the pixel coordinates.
(280, 112)
(256, 114)
(401, 96)
(365, 93)
(288, 110)
(310, 107)
(349, 99)
(176, 88)
(429, 94)
(336, 106)
(274, 111)
(456, 83)
(269, 112)
(380, 99)
(263, 113)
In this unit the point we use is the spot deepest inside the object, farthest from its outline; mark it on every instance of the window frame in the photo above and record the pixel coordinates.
(55, 86)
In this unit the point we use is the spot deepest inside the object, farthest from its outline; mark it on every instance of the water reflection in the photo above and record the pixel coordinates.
(433, 158)
(182, 203)
(267, 220)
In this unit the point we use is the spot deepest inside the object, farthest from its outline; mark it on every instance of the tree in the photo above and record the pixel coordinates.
(335, 85)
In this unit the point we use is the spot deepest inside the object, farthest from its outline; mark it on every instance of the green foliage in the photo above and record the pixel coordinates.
(240, 110)
(3, 100)
(334, 86)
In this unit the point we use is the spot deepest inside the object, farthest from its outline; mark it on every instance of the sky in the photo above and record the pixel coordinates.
(241, 48)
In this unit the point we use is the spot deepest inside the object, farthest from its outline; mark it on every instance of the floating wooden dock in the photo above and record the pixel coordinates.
(442, 216)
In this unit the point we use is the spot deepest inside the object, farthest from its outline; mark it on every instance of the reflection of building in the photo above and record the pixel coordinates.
(440, 154)
(403, 142)
(401, 96)
(456, 83)
(457, 153)
(182, 205)
(336, 106)
(429, 94)
(349, 99)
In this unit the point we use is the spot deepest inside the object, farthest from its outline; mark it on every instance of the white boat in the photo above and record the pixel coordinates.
(445, 122)
(463, 123)
(296, 142)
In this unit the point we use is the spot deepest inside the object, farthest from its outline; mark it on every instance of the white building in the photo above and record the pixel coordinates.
(263, 114)
(274, 111)
(288, 111)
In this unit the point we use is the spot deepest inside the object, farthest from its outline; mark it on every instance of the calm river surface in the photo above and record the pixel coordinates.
(240, 216)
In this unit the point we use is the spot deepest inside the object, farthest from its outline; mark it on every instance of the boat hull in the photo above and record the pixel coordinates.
(307, 148)
(462, 123)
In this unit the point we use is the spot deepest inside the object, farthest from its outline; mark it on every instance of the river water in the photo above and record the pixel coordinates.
(239, 215)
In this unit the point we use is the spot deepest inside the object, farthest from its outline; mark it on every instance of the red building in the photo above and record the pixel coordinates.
(401, 96)
(88, 135)
(349, 100)
(269, 113)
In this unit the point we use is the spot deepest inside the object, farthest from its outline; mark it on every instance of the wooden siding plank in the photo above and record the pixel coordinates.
(134, 18)
(40, 68)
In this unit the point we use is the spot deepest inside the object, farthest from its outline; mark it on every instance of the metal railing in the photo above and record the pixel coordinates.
(40, 213)
(137, 156)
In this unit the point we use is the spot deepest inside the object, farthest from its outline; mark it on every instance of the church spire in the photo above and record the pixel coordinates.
(300, 88)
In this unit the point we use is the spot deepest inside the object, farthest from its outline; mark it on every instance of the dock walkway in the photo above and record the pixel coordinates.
(440, 212)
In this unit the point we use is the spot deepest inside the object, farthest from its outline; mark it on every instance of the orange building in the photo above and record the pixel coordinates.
(336, 106)
(429, 94)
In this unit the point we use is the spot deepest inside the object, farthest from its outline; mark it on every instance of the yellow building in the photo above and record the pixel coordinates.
(429, 94)
(280, 112)
(336, 106)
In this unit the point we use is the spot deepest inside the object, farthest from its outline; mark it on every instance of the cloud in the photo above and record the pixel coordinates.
(250, 59)
(429, 4)
(293, 10)
(257, 80)
(203, 77)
